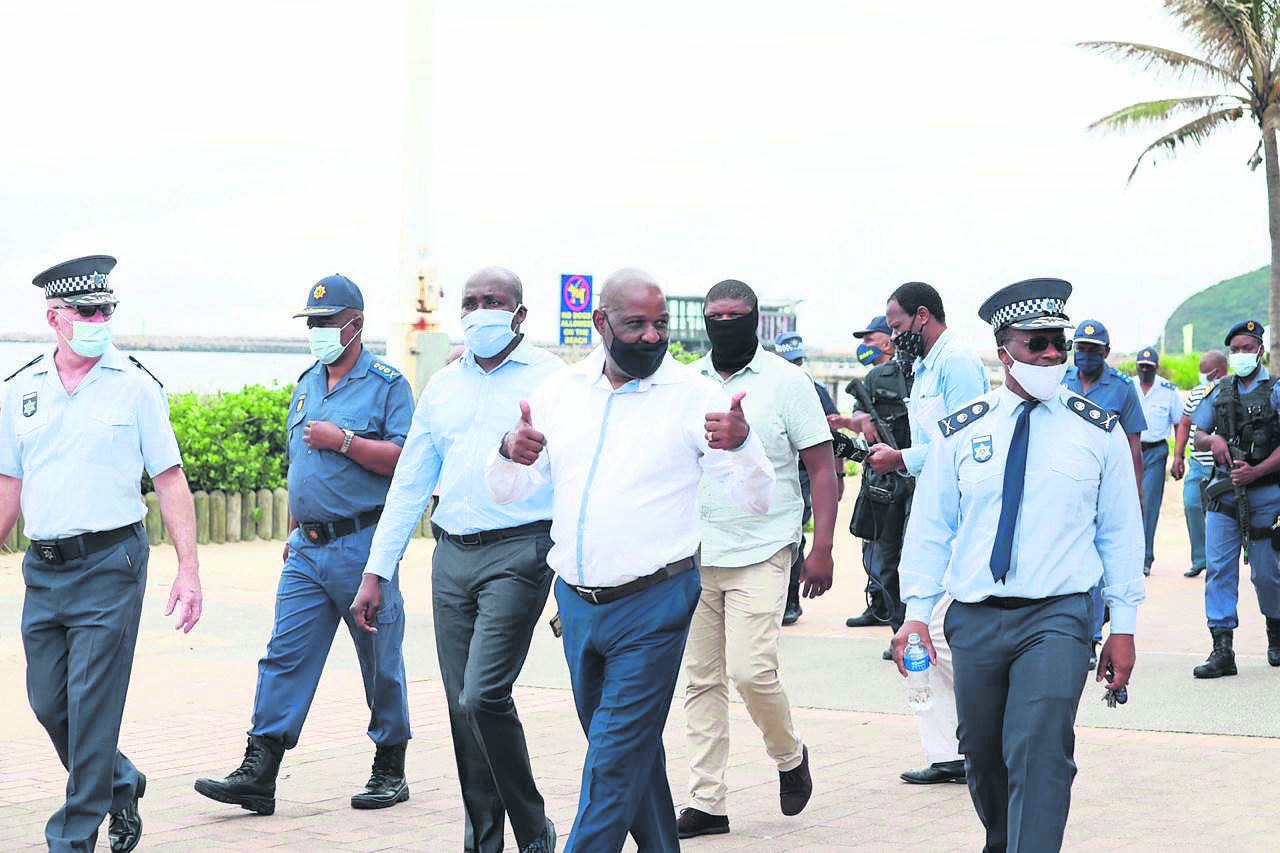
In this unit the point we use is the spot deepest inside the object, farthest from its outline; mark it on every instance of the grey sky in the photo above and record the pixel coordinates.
(822, 149)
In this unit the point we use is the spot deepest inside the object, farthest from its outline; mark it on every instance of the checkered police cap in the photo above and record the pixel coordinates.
(81, 281)
(1038, 303)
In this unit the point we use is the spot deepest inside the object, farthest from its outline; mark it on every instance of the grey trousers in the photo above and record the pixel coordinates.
(79, 627)
(487, 599)
(1018, 678)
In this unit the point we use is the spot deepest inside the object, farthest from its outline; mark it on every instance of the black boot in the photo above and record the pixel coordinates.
(252, 785)
(1273, 642)
(1222, 660)
(386, 785)
(791, 614)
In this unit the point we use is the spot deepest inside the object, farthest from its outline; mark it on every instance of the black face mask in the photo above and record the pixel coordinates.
(734, 342)
(639, 360)
(1147, 374)
(910, 344)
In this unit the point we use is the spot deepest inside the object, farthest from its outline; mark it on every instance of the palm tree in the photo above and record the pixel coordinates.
(1238, 46)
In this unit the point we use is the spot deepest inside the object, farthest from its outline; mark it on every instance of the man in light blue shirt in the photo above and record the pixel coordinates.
(489, 577)
(1162, 407)
(1025, 503)
(946, 377)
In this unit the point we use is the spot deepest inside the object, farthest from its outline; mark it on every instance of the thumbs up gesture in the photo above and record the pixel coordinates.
(728, 430)
(524, 443)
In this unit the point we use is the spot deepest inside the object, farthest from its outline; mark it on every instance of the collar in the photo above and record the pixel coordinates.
(1257, 377)
(591, 371)
(522, 354)
(939, 346)
(1008, 402)
(112, 359)
(707, 367)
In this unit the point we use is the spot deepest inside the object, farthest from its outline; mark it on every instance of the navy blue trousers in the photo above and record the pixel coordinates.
(623, 661)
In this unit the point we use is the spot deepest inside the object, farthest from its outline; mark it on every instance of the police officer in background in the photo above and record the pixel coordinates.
(1026, 500)
(1162, 407)
(1239, 421)
(346, 424)
(78, 428)
(1095, 380)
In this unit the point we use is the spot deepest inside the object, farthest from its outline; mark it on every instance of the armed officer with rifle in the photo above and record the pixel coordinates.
(1239, 421)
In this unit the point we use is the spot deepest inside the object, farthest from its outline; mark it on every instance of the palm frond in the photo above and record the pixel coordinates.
(1192, 133)
(1150, 112)
(1152, 58)
(1225, 28)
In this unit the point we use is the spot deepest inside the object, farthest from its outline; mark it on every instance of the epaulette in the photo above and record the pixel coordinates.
(386, 371)
(1128, 380)
(1103, 419)
(1166, 383)
(24, 367)
(310, 367)
(143, 368)
(957, 421)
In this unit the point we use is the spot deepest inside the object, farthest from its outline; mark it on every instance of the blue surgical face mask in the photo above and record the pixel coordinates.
(1090, 363)
(326, 342)
(868, 355)
(89, 340)
(488, 331)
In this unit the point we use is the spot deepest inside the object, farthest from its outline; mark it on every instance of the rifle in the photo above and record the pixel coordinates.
(859, 392)
(1243, 515)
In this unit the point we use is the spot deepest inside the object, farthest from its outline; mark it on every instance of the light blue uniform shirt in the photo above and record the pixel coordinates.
(1079, 521)
(1162, 407)
(462, 416)
(80, 456)
(373, 401)
(1113, 391)
(945, 379)
(1202, 417)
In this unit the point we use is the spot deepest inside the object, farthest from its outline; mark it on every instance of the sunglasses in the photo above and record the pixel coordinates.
(1040, 343)
(88, 311)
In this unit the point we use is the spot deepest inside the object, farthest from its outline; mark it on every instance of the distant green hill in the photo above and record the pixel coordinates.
(1213, 310)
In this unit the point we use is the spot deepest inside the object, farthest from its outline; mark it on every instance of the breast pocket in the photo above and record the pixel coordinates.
(357, 423)
(293, 428)
(1075, 477)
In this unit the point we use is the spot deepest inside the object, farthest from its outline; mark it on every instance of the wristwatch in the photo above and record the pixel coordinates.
(347, 435)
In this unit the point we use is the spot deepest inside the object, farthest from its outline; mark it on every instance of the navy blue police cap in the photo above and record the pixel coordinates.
(1148, 355)
(1252, 328)
(330, 295)
(1092, 332)
(84, 281)
(790, 346)
(878, 324)
(1037, 303)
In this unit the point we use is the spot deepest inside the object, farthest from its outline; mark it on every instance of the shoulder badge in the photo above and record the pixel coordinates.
(24, 367)
(1166, 383)
(1126, 378)
(140, 366)
(957, 421)
(386, 371)
(1101, 418)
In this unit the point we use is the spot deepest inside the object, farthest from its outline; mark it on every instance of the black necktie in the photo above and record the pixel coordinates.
(1015, 475)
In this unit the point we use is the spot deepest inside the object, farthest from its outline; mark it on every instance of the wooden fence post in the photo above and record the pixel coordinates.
(217, 517)
(266, 526)
(202, 517)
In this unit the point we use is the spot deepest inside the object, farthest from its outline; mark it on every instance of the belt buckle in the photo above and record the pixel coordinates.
(595, 596)
(469, 539)
(49, 552)
(315, 532)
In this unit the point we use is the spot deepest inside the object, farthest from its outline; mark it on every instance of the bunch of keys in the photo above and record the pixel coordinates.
(1114, 697)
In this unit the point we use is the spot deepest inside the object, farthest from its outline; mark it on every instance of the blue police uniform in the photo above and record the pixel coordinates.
(1162, 408)
(80, 457)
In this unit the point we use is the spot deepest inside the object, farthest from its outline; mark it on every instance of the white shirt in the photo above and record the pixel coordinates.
(625, 466)
(945, 379)
(80, 456)
(1162, 407)
(1079, 520)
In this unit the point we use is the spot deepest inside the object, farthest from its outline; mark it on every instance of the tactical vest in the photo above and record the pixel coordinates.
(888, 388)
(1247, 421)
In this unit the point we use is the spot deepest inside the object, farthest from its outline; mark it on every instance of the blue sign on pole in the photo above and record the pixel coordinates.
(575, 310)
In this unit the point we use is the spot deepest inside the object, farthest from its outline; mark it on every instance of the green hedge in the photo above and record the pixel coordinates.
(233, 442)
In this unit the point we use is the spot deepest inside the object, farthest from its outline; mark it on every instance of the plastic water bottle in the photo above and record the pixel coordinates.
(915, 660)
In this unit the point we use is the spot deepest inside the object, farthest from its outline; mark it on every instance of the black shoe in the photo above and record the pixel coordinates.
(546, 843)
(125, 830)
(1193, 572)
(1146, 571)
(887, 654)
(867, 619)
(1222, 660)
(1093, 657)
(795, 786)
(694, 822)
(386, 785)
(791, 615)
(1273, 642)
(936, 773)
(252, 785)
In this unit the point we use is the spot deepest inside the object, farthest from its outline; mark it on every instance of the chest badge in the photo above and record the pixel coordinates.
(30, 403)
(302, 401)
(981, 448)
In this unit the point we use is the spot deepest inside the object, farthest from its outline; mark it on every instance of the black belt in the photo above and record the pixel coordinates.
(1147, 445)
(1008, 602)
(324, 532)
(488, 537)
(607, 594)
(76, 547)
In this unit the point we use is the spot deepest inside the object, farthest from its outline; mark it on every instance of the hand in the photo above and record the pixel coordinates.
(1179, 468)
(285, 557)
(841, 422)
(816, 576)
(728, 430)
(322, 435)
(899, 643)
(523, 444)
(1221, 452)
(1117, 651)
(1242, 473)
(186, 591)
(884, 459)
(367, 603)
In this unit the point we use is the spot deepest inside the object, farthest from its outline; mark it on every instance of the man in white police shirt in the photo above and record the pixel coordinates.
(77, 430)
(1024, 503)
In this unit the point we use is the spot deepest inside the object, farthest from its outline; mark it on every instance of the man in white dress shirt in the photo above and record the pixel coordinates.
(625, 437)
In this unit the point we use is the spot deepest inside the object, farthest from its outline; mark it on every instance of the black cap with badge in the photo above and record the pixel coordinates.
(83, 281)
(1037, 303)
(1252, 328)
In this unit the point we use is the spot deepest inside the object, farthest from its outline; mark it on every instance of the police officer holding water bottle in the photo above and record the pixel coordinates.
(1024, 503)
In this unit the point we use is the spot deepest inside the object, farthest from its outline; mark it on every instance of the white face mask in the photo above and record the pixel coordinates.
(326, 342)
(89, 340)
(1243, 363)
(1040, 381)
(488, 330)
